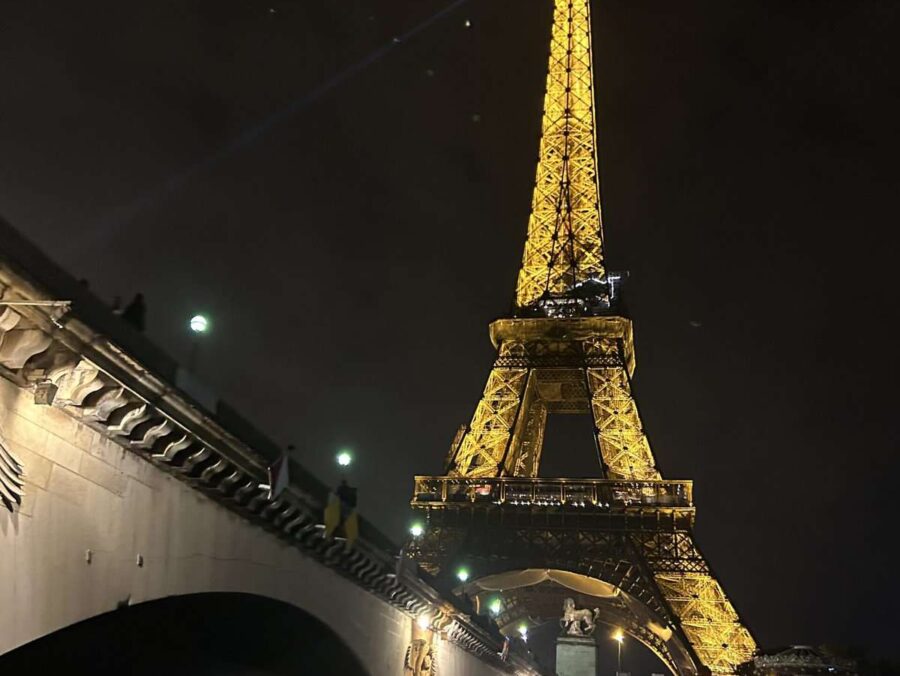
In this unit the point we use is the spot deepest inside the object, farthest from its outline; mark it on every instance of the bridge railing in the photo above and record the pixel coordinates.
(596, 493)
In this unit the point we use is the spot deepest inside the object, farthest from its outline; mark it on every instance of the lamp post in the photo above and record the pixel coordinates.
(199, 324)
(619, 637)
(416, 530)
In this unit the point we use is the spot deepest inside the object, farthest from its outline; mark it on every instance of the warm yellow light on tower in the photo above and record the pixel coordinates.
(563, 280)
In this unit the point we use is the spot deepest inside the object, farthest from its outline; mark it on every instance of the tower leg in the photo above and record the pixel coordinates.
(623, 444)
(484, 446)
(696, 600)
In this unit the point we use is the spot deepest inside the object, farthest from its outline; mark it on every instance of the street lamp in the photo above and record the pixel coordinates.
(462, 574)
(619, 637)
(495, 606)
(199, 324)
(344, 458)
(416, 529)
(523, 631)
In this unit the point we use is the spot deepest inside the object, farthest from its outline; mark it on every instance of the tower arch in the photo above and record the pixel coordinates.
(527, 597)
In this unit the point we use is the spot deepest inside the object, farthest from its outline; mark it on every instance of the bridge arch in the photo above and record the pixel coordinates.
(209, 633)
(99, 528)
(130, 494)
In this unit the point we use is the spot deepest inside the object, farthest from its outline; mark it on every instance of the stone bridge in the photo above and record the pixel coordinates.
(125, 485)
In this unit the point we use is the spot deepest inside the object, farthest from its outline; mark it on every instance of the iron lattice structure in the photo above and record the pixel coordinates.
(567, 349)
(564, 245)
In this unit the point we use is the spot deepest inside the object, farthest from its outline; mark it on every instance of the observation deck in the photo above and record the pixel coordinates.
(525, 522)
(512, 498)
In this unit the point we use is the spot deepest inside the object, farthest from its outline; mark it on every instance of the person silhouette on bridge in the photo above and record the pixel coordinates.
(135, 312)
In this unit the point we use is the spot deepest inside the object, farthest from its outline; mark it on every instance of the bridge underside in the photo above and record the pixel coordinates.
(197, 634)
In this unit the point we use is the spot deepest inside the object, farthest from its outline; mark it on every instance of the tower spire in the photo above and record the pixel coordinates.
(564, 248)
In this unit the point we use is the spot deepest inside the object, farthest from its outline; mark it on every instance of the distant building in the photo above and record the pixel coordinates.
(798, 660)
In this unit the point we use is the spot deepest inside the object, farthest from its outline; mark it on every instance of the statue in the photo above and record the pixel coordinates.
(578, 622)
(418, 658)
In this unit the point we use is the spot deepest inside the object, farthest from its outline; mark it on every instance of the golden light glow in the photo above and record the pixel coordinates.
(618, 635)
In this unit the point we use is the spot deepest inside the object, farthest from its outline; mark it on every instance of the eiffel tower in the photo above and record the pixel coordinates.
(621, 542)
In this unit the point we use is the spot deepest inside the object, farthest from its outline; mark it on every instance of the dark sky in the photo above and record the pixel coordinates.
(352, 253)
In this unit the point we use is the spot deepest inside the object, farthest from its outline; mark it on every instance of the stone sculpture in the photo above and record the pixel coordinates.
(578, 622)
(418, 659)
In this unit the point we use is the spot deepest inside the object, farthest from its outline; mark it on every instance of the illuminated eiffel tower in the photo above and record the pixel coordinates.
(622, 542)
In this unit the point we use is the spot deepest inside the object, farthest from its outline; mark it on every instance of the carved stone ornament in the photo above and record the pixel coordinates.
(11, 483)
(419, 659)
(578, 622)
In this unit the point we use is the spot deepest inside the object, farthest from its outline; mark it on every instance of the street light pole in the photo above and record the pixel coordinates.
(199, 324)
(192, 355)
(415, 530)
(619, 637)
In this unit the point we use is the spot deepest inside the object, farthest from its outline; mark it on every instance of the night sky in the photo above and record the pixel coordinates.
(351, 211)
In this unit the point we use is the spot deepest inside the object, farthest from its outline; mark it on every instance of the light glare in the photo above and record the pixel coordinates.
(199, 324)
(344, 459)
